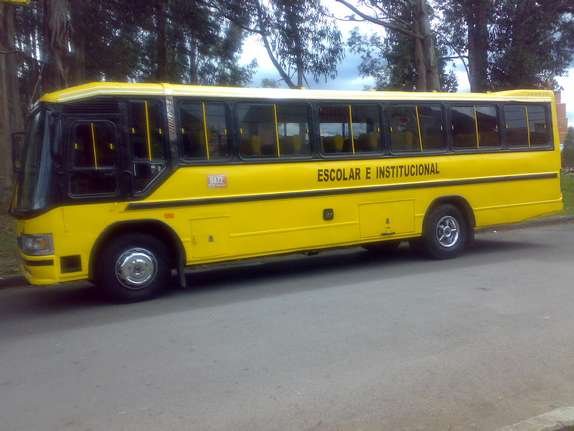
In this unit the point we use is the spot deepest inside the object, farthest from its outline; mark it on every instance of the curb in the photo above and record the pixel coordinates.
(531, 223)
(549, 220)
(12, 281)
(561, 419)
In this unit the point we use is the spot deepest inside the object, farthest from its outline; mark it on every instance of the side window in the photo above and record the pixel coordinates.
(217, 130)
(94, 145)
(93, 157)
(366, 128)
(147, 140)
(432, 128)
(203, 130)
(191, 130)
(293, 129)
(537, 126)
(487, 123)
(526, 126)
(335, 130)
(256, 130)
(516, 127)
(404, 129)
(463, 125)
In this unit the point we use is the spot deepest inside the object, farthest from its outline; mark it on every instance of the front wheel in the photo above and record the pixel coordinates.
(445, 233)
(133, 268)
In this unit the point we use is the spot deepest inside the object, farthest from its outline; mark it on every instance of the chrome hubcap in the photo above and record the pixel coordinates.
(136, 268)
(447, 231)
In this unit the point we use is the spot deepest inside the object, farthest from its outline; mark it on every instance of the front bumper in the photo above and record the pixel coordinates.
(39, 270)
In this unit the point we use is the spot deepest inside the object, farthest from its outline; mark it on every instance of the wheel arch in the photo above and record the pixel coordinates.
(156, 228)
(459, 202)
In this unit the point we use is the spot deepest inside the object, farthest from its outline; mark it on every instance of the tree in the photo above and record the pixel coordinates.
(55, 46)
(509, 44)
(391, 60)
(49, 44)
(299, 38)
(533, 42)
(408, 18)
(11, 119)
(465, 29)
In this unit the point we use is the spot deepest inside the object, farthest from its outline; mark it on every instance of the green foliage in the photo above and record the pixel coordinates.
(568, 149)
(299, 37)
(391, 60)
(509, 43)
(541, 46)
(567, 184)
(133, 40)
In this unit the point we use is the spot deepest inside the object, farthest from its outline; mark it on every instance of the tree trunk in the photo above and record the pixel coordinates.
(55, 48)
(425, 51)
(477, 23)
(193, 62)
(78, 37)
(161, 48)
(300, 69)
(11, 118)
(420, 67)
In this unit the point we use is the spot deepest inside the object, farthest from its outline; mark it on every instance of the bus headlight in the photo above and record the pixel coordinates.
(36, 245)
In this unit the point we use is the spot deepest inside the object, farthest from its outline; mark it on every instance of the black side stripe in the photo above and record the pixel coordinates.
(334, 192)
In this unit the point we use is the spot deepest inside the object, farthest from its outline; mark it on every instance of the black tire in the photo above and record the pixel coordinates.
(146, 268)
(383, 248)
(445, 233)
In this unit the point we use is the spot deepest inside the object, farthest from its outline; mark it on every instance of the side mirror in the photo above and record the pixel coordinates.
(18, 140)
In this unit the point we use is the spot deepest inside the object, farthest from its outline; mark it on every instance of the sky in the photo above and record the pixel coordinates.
(348, 77)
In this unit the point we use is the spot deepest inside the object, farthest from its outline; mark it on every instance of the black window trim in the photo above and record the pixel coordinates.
(408, 103)
(271, 159)
(169, 164)
(316, 153)
(73, 122)
(383, 151)
(548, 116)
(186, 161)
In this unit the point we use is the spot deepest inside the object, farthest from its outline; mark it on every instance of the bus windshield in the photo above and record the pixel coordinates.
(32, 183)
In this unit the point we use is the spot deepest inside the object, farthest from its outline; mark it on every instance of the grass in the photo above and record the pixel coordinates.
(567, 181)
(8, 248)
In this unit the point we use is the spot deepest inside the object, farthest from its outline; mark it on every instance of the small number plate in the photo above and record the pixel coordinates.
(216, 181)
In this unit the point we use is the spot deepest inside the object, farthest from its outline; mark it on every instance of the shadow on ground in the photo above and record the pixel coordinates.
(79, 305)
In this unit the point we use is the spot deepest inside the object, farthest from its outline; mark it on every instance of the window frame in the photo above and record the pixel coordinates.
(383, 151)
(548, 117)
(310, 128)
(382, 129)
(71, 125)
(129, 156)
(407, 103)
(454, 148)
(498, 126)
(186, 161)
(236, 150)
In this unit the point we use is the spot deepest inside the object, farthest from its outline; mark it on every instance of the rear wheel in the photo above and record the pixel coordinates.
(445, 233)
(133, 268)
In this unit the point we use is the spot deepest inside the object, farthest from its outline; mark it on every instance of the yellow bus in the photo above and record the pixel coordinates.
(127, 185)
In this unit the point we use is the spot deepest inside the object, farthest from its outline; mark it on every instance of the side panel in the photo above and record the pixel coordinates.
(380, 220)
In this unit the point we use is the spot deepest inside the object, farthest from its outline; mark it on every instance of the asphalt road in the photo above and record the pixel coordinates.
(342, 340)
